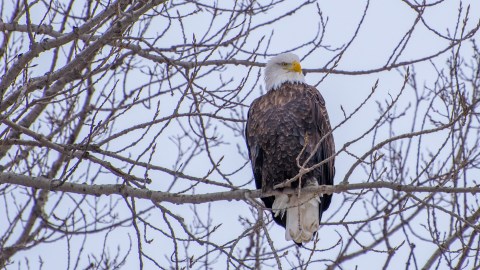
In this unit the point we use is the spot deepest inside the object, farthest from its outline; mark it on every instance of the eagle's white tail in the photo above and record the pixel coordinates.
(302, 215)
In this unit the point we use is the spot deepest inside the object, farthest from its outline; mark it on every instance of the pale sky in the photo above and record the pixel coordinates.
(385, 25)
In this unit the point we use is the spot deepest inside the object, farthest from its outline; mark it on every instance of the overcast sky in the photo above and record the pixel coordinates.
(384, 26)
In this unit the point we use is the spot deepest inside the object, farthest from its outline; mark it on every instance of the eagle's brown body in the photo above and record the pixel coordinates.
(280, 124)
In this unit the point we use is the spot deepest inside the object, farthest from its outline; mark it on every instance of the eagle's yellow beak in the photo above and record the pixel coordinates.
(296, 67)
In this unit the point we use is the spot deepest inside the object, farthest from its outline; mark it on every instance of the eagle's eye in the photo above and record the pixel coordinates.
(284, 64)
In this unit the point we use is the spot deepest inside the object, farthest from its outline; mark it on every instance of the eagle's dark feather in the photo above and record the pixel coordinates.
(279, 125)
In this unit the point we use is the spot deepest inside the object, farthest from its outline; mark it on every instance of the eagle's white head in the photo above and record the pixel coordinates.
(283, 68)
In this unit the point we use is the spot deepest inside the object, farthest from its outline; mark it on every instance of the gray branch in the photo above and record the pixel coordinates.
(240, 194)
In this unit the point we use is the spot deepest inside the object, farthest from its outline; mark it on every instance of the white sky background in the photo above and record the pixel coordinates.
(385, 24)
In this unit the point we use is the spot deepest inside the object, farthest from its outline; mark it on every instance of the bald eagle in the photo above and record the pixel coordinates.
(285, 123)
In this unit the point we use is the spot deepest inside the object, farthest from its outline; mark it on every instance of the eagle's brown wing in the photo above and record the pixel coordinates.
(327, 144)
(255, 152)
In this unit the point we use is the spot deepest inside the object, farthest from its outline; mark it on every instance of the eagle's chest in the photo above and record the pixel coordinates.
(285, 116)
(283, 126)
